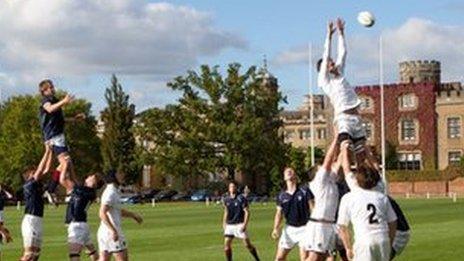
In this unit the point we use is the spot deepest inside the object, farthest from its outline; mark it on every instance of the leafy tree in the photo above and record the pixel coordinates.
(318, 156)
(297, 162)
(118, 146)
(220, 124)
(21, 143)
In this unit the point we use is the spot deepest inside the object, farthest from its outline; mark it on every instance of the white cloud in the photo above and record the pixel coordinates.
(51, 38)
(416, 39)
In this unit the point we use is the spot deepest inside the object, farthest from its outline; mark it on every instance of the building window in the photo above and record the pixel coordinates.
(289, 134)
(408, 130)
(321, 134)
(408, 101)
(409, 161)
(366, 103)
(454, 127)
(367, 125)
(454, 157)
(305, 134)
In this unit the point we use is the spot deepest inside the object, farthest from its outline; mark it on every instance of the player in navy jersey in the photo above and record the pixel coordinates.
(235, 221)
(81, 196)
(52, 123)
(294, 204)
(31, 227)
(402, 230)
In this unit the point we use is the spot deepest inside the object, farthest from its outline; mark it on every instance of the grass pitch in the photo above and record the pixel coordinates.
(193, 231)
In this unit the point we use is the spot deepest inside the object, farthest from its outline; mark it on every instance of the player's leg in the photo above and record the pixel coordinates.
(251, 248)
(228, 247)
(91, 252)
(75, 251)
(303, 254)
(282, 254)
(104, 256)
(31, 253)
(121, 255)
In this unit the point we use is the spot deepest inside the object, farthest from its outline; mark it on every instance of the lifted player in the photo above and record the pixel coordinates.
(82, 195)
(331, 78)
(294, 204)
(235, 221)
(31, 227)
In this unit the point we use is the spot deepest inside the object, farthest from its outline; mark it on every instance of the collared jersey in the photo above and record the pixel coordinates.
(52, 124)
(33, 200)
(81, 198)
(112, 198)
(235, 208)
(369, 211)
(326, 199)
(295, 207)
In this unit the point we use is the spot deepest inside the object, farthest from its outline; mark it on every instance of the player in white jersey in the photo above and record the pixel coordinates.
(321, 226)
(331, 78)
(111, 240)
(372, 217)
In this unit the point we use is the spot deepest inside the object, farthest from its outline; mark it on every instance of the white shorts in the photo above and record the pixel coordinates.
(400, 241)
(373, 250)
(351, 124)
(79, 233)
(32, 231)
(235, 231)
(107, 244)
(321, 237)
(58, 140)
(291, 236)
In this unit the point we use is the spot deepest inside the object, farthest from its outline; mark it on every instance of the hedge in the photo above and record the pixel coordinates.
(449, 173)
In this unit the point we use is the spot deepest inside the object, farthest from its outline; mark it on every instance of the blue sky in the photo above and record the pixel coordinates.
(148, 43)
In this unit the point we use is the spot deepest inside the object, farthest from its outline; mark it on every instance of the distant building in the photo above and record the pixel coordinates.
(297, 123)
(423, 118)
(450, 111)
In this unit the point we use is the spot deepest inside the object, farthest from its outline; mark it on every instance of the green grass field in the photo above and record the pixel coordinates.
(192, 231)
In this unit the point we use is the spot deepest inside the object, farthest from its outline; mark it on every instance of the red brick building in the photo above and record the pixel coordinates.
(410, 122)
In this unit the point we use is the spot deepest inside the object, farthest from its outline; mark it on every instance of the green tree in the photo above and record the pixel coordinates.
(21, 143)
(297, 162)
(220, 124)
(318, 156)
(118, 148)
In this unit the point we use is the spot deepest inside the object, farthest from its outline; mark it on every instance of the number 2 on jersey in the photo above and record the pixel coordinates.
(373, 210)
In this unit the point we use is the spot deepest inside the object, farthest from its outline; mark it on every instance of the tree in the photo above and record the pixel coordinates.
(220, 124)
(21, 143)
(118, 147)
(297, 162)
(318, 156)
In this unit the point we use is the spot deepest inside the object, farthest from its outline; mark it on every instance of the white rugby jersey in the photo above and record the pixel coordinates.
(369, 211)
(112, 198)
(325, 191)
(340, 92)
(352, 183)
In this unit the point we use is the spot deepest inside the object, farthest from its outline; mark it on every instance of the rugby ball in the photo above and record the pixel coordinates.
(366, 19)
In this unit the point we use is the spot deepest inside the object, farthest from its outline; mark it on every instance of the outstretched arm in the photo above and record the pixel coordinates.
(323, 76)
(49, 107)
(42, 168)
(341, 52)
(331, 154)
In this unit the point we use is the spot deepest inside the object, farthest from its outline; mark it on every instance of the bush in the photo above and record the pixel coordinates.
(449, 173)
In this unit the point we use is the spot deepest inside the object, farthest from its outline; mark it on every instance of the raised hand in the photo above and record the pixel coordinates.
(330, 28)
(340, 25)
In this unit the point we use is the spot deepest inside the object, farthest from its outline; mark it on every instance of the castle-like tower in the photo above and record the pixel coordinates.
(420, 71)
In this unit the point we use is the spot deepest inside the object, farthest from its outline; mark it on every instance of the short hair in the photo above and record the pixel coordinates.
(367, 177)
(318, 65)
(312, 172)
(100, 182)
(43, 83)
